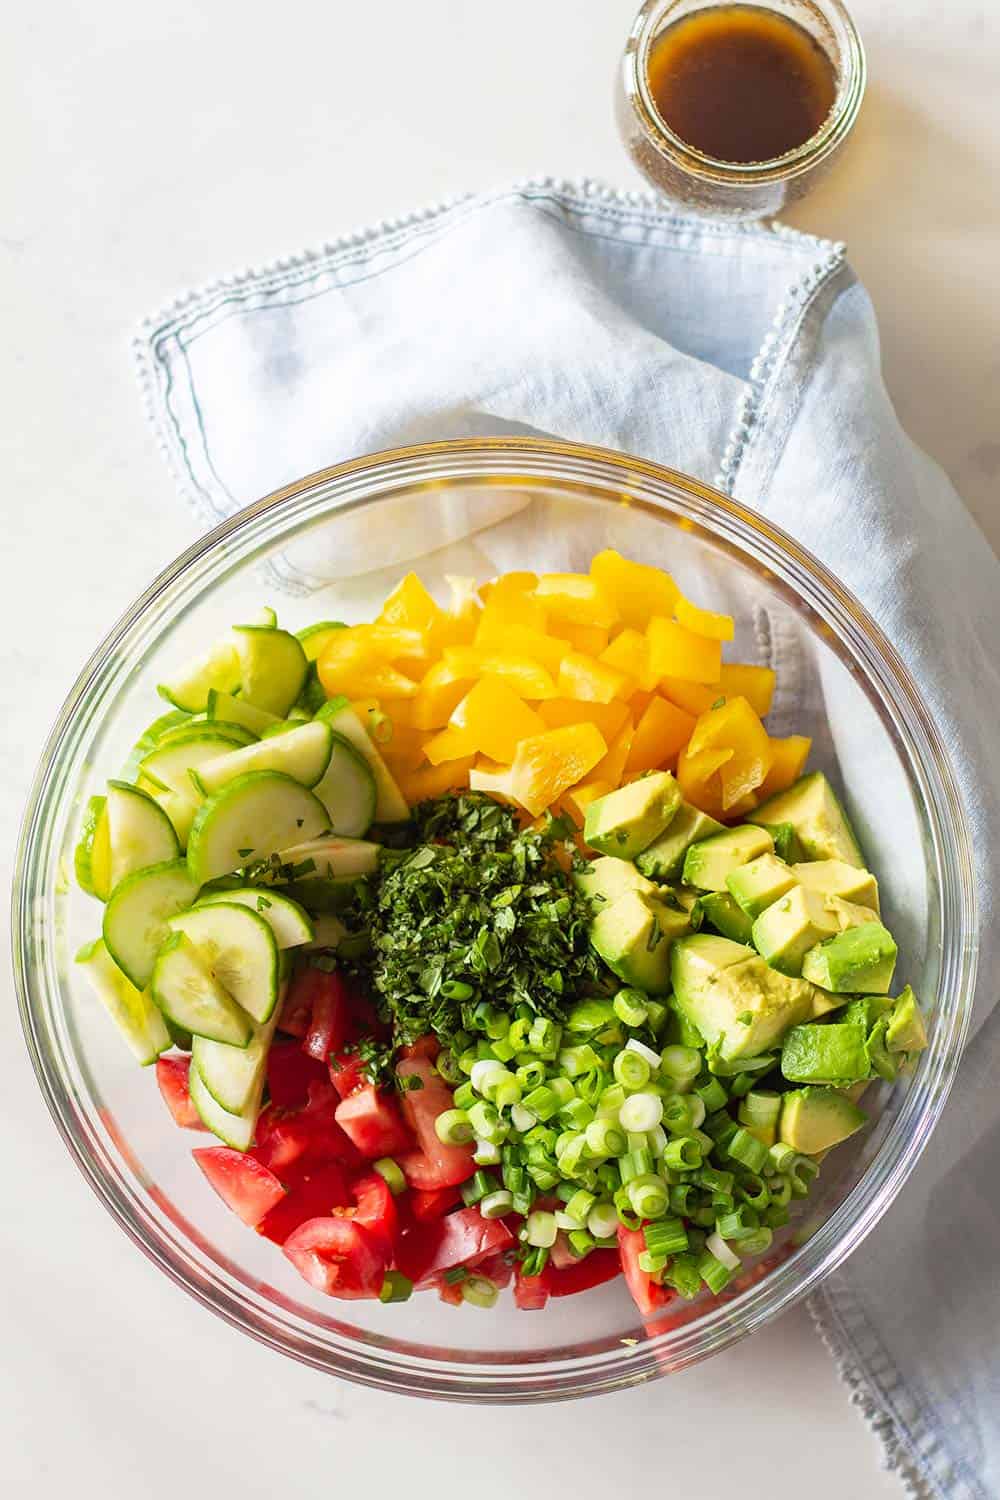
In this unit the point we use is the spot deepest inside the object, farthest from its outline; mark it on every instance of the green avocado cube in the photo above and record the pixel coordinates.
(664, 858)
(906, 1031)
(832, 877)
(626, 821)
(720, 910)
(709, 862)
(731, 996)
(859, 961)
(833, 1053)
(866, 1010)
(633, 936)
(786, 841)
(814, 1119)
(759, 884)
(816, 815)
(605, 879)
(785, 932)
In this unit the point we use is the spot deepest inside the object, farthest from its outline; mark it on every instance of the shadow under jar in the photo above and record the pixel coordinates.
(736, 110)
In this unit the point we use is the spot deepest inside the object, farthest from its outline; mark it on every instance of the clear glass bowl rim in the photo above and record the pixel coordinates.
(658, 491)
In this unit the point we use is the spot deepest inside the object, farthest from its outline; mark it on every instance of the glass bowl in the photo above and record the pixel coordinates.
(474, 508)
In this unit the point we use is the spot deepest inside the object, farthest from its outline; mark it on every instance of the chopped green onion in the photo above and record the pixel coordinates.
(563, 1090)
(495, 1205)
(610, 1102)
(665, 1238)
(640, 1048)
(464, 1096)
(540, 1229)
(656, 1140)
(635, 1164)
(678, 1113)
(802, 1173)
(467, 1060)
(522, 1119)
(737, 1224)
(485, 1121)
(682, 1154)
(487, 1153)
(580, 1242)
(648, 1196)
(577, 1113)
(776, 1216)
(757, 1241)
(395, 1287)
(448, 1067)
(780, 1188)
(591, 1085)
(680, 1198)
(715, 1180)
(502, 1050)
(681, 1065)
(712, 1095)
(623, 1208)
(576, 1060)
(651, 1263)
(602, 1220)
(641, 1111)
(517, 1035)
(542, 1102)
(684, 1276)
(714, 1274)
(531, 1074)
(453, 1127)
(535, 1261)
(455, 1275)
(544, 1036)
(779, 1156)
(630, 1007)
(747, 1149)
(605, 1138)
(391, 1174)
(718, 1247)
(656, 1014)
(480, 1291)
(753, 1189)
(631, 1070)
(580, 1204)
(478, 1185)
(573, 1154)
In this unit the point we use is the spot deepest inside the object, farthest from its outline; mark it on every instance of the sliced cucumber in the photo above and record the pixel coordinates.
(328, 858)
(238, 949)
(327, 932)
(219, 668)
(150, 738)
(132, 1011)
(390, 804)
(92, 856)
(233, 1130)
(312, 697)
(230, 1074)
(302, 753)
(347, 789)
(168, 766)
(272, 666)
(249, 819)
(291, 925)
(231, 710)
(141, 834)
(314, 637)
(138, 912)
(191, 997)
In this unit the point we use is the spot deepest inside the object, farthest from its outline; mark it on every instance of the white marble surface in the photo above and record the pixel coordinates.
(150, 148)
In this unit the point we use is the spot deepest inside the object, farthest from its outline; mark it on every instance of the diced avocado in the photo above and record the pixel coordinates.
(664, 858)
(817, 817)
(680, 1032)
(832, 877)
(865, 1011)
(720, 910)
(884, 1063)
(849, 913)
(786, 841)
(737, 1003)
(833, 1053)
(626, 821)
(633, 936)
(684, 895)
(759, 884)
(814, 1119)
(707, 863)
(605, 879)
(859, 961)
(906, 1031)
(785, 932)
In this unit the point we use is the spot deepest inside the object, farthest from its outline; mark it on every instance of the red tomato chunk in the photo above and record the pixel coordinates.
(172, 1077)
(338, 1256)
(246, 1187)
(372, 1120)
(460, 1239)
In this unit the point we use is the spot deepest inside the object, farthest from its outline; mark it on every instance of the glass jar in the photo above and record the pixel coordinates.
(736, 190)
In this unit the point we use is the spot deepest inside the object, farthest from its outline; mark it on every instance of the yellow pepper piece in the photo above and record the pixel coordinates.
(789, 758)
(734, 726)
(494, 632)
(636, 590)
(694, 697)
(612, 767)
(489, 776)
(512, 598)
(629, 653)
(434, 781)
(356, 662)
(438, 693)
(405, 750)
(677, 652)
(525, 676)
(547, 764)
(594, 681)
(412, 607)
(609, 717)
(508, 586)
(490, 720)
(660, 736)
(590, 639)
(699, 779)
(450, 744)
(703, 621)
(575, 598)
(755, 684)
(576, 801)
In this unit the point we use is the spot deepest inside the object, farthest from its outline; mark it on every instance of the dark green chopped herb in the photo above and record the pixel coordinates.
(745, 1018)
(718, 703)
(244, 853)
(263, 903)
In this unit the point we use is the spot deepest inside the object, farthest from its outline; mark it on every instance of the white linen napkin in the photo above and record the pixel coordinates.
(748, 356)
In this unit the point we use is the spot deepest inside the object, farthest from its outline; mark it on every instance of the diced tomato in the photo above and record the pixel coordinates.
(459, 1239)
(296, 1012)
(496, 1268)
(246, 1187)
(338, 1256)
(432, 1204)
(594, 1270)
(330, 1014)
(347, 1073)
(318, 1194)
(289, 1141)
(449, 1291)
(372, 1120)
(289, 1073)
(530, 1292)
(425, 1046)
(435, 1165)
(649, 1297)
(561, 1255)
(376, 1209)
(172, 1077)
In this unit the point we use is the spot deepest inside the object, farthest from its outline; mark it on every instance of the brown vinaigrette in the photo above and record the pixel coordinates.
(741, 83)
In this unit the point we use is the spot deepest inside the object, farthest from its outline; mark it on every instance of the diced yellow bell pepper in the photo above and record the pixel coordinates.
(547, 764)
(356, 662)
(450, 744)
(594, 681)
(677, 652)
(575, 802)
(734, 726)
(400, 711)
(489, 776)
(612, 767)
(576, 599)
(703, 621)
(629, 653)
(756, 684)
(660, 736)
(412, 607)
(508, 586)
(438, 691)
(789, 758)
(693, 697)
(495, 633)
(637, 591)
(590, 639)
(512, 599)
(609, 717)
(698, 775)
(490, 720)
(526, 677)
(405, 750)
(434, 781)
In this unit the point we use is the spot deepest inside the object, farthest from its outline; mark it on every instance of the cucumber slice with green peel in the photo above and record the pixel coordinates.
(140, 832)
(180, 807)
(327, 932)
(312, 697)
(150, 738)
(230, 1074)
(314, 637)
(238, 949)
(249, 819)
(328, 857)
(132, 1010)
(92, 856)
(303, 753)
(218, 668)
(228, 709)
(181, 1039)
(233, 1130)
(290, 923)
(192, 998)
(197, 724)
(347, 789)
(390, 804)
(272, 666)
(138, 912)
(168, 765)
